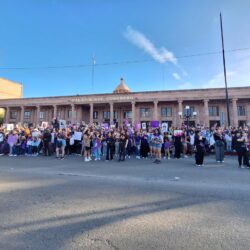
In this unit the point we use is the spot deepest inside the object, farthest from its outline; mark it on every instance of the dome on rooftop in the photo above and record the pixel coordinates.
(122, 88)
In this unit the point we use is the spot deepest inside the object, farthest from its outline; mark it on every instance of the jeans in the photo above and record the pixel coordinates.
(219, 153)
(97, 153)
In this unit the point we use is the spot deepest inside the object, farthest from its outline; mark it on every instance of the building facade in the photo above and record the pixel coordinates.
(134, 107)
(10, 89)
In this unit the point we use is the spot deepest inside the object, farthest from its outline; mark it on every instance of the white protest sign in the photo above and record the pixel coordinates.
(164, 127)
(77, 136)
(10, 127)
(62, 124)
(144, 126)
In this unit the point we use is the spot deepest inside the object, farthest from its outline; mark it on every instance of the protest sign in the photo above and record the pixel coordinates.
(44, 125)
(10, 127)
(178, 132)
(144, 125)
(77, 136)
(62, 124)
(155, 124)
(164, 127)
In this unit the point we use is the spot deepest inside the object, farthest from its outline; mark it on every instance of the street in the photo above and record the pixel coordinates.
(72, 204)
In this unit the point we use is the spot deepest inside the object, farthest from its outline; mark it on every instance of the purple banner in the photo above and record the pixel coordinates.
(155, 124)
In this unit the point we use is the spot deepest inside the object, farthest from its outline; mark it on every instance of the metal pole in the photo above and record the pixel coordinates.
(225, 72)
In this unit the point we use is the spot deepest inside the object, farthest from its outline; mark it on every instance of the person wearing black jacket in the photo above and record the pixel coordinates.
(241, 149)
(199, 147)
(46, 142)
(110, 146)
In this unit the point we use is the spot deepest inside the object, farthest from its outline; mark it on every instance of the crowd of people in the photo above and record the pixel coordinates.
(95, 142)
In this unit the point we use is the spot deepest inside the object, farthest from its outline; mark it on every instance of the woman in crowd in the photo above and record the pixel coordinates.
(157, 141)
(87, 144)
(199, 148)
(241, 149)
(219, 145)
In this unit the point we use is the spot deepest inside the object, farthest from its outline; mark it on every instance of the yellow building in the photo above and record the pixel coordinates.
(10, 90)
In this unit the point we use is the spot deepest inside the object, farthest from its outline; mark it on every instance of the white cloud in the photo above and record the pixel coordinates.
(137, 38)
(176, 76)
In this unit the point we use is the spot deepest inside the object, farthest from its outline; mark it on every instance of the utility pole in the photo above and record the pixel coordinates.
(225, 71)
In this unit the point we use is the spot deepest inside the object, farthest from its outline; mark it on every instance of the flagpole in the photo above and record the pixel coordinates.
(225, 72)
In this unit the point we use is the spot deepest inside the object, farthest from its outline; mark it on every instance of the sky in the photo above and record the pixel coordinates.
(50, 46)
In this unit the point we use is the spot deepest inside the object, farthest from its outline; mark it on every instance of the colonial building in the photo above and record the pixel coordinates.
(10, 89)
(135, 107)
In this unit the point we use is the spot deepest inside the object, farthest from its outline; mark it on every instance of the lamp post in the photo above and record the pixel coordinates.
(187, 115)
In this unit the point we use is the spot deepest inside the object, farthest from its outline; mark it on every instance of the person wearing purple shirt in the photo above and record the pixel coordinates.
(12, 140)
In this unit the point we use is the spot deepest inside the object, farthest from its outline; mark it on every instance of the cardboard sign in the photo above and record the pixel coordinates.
(155, 124)
(77, 136)
(44, 125)
(10, 127)
(62, 124)
(164, 127)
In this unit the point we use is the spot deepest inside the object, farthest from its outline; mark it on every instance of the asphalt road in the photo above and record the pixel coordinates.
(70, 204)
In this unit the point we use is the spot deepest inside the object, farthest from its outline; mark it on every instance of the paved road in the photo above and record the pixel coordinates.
(52, 204)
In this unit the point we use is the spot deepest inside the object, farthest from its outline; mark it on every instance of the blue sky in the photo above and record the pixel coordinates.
(157, 33)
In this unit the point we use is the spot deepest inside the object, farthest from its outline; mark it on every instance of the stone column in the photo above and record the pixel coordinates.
(37, 115)
(54, 111)
(155, 116)
(91, 113)
(235, 112)
(7, 115)
(73, 113)
(111, 114)
(180, 109)
(206, 113)
(133, 113)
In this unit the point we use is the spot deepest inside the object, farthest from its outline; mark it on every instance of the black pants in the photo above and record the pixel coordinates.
(199, 157)
(122, 152)
(46, 149)
(110, 152)
(243, 156)
(178, 149)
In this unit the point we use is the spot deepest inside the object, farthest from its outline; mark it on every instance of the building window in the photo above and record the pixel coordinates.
(42, 115)
(166, 112)
(95, 115)
(26, 114)
(69, 113)
(115, 115)
(145, 112)
(127, 114)
(58, 114)
(106, 115)
(241, 110)
(13, 114)
(213, 111)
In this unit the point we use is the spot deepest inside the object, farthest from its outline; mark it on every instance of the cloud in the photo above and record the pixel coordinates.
(176, 76)
(137, 38)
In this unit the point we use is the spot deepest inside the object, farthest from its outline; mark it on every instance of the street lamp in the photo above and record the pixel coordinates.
(187, 115)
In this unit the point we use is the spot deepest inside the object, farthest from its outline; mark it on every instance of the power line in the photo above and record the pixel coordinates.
(118, 62)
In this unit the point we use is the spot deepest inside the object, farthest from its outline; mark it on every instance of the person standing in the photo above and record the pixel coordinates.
(219, 145)
(241, 148)
(199, 148)
(123, 142)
